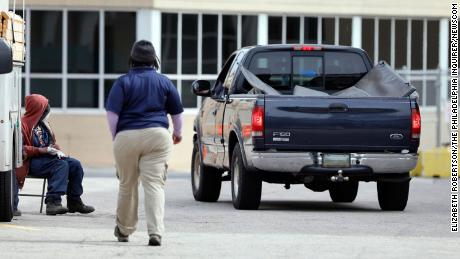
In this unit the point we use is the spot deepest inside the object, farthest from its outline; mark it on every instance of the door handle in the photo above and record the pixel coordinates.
(338, 107)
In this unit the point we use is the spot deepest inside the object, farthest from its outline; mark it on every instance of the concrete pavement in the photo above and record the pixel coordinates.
(295, 223)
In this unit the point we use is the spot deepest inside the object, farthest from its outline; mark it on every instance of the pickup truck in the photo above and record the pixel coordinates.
(326, 142)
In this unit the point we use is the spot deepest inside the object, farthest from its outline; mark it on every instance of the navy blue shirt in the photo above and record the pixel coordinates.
(142, 99)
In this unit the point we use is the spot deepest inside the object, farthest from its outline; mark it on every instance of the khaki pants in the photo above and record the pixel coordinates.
(142, 155)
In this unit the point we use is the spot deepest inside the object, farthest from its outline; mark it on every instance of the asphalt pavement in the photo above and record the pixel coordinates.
(295, 223)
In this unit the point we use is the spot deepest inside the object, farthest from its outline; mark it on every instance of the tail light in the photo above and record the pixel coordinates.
(258, 121)
(416, 122)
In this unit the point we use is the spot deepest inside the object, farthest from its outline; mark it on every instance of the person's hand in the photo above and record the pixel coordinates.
(56, 146)
(176, 139)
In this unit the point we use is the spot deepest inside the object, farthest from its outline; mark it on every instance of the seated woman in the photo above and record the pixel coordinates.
(43, 158)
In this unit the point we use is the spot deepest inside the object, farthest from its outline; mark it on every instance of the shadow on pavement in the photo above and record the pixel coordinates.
(310, 206)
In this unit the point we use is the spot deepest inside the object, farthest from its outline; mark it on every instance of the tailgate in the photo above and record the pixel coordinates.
(337, 124)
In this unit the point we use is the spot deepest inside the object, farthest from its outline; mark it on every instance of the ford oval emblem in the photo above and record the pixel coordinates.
(396, 136)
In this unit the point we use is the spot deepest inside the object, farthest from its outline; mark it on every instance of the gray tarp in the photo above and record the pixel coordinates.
(380, 81)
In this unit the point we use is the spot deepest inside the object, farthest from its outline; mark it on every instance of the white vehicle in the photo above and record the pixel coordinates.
(10, 122)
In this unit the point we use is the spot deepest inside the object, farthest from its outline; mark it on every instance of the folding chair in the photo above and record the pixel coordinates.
(37, 195)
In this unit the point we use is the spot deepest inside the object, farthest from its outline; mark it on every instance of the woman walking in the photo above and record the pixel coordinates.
(137, 109)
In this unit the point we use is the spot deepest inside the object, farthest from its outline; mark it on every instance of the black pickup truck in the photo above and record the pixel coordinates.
(325, 139)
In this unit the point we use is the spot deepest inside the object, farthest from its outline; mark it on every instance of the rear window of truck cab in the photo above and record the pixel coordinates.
(326, 71)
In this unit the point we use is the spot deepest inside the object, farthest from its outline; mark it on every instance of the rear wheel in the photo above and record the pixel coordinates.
(344, 191)
(246, 186)
(206, 181)
(393, 196)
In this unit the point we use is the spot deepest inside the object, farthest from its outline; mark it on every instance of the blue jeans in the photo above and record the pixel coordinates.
(65, 176)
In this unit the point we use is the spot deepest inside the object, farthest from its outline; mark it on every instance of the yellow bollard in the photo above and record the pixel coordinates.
(436, 162)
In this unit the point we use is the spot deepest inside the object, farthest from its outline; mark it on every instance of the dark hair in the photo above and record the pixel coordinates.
(143, 54)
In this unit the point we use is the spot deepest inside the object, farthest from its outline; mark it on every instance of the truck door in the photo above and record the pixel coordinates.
(221, 126)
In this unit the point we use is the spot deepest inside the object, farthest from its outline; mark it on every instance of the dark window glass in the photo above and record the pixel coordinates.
(275, 29)
(120, 34)
(189, 100)
(433, 44)
(273, 68)
(385, 40)
(209, 47)
(292, 30)
(345, 31)
(343, 70)
(83, 38)
(46, 42)
(367, 36)
(23, 92)
(189, 43)
(82, 93)
(169, 43)
(307, 71)
(400, 44)
(50, 88)
(328, 31)
(229, 35)
(431, 92)
(419, 87)
(107, 87)
(249, 30)
(311, 30)
(417, 45)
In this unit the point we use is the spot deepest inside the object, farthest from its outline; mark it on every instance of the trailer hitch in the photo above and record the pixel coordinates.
(339, 177)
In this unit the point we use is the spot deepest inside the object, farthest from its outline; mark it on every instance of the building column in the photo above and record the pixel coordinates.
(262, 29)
(443, 57)
(148, 27)
(356, 31)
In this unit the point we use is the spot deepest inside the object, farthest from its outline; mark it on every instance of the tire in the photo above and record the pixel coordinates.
(206, 181)
(246, 185)
(344, 191)
(393, 196)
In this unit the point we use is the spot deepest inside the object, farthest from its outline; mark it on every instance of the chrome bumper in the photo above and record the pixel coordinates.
(293, 162)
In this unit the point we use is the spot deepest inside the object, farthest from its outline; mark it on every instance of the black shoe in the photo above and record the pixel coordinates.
(155, 240)
(79, 206)
(55, 208)
(17, 213)
(120, 236)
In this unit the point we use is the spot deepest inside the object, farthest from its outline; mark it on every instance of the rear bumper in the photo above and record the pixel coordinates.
(295, 162)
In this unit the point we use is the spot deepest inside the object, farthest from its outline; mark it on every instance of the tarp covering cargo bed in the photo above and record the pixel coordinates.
(380, 81)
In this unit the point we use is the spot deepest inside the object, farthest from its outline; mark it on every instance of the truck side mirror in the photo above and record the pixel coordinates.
(201, 88)
(6, 58)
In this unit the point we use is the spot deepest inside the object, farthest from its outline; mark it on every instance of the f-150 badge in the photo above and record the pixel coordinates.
(281, 136)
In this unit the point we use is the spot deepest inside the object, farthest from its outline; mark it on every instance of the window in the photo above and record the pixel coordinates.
(50, 88)
(169, 43)
(46, 41)
(307, 71)
(328, 31)
(209, 45)
(432, 44)
(229, 35)
(82, 93)
(120, 34)
(385, 41)
(345, 32)
(189, 43)
(249, 30)
(107, 87)
(310, 30)
(273, 68)
(275, 30)
(400, 44)
(417, 45)
(189, 100)
(292, 30)
(367, 36)
(83, 42)
(343, 70)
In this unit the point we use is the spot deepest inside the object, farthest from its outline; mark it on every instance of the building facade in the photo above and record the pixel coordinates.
(76, 49)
